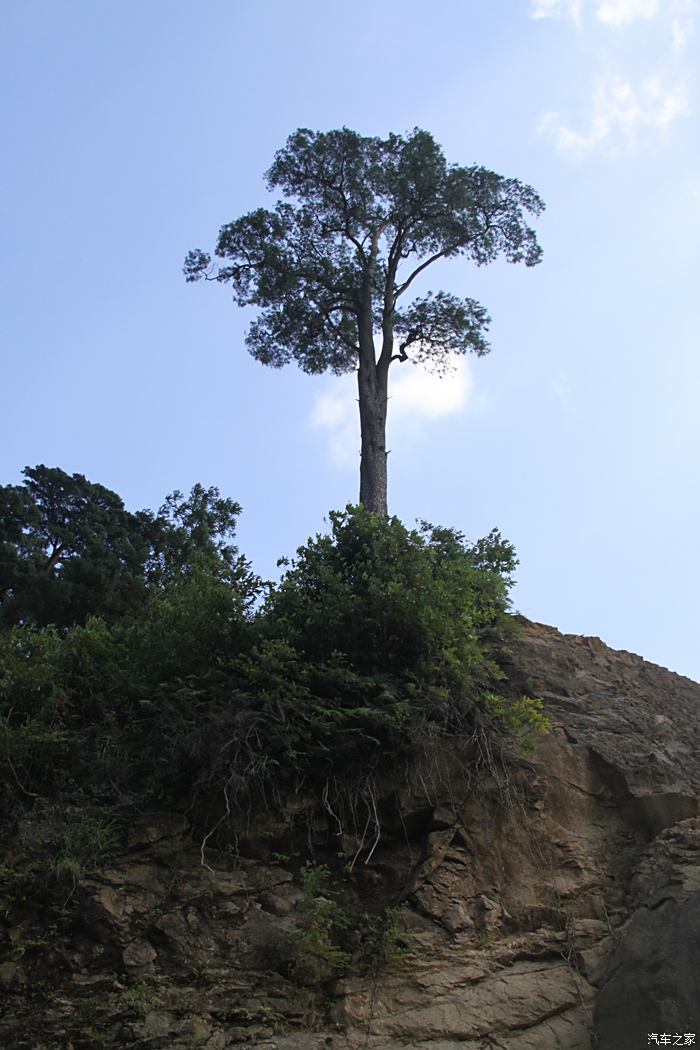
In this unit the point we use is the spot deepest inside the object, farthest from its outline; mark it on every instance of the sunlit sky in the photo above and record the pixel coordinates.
(132, 131)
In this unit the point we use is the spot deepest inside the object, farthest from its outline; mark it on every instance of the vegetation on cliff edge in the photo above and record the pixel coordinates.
(191, 680)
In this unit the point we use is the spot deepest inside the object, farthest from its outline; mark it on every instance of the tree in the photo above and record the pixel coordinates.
(330, 265)
(197, 533)
(69, 549)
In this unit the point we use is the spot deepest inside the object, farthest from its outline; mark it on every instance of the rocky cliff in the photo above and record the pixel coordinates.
(543, 901)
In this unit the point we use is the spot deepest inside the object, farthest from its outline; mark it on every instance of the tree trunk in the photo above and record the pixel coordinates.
(372, 385)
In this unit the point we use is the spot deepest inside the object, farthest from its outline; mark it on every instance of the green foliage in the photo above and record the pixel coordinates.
(142, 996)
(523, 718)
(315, 718)
(377, 643)
(333, 938)
(316, 955)
(196, 535)
(363, 215)
(331, 264)
(90, 705)
(412, 605)
(382, 941)
(376, 638)
(86, 842)
(70, 550)
(81, 698)
(185, 628)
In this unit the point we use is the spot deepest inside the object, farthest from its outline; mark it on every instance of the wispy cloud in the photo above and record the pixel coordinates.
(624, 108)
(683, 13)
(620, 12)
(620, 113)
(415, 397)
(557, 9)
(561, 388)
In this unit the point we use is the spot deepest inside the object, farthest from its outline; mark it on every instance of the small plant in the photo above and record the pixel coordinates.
(316, 955)
(523, 718)
(382, 939)
(142, 996)
(85, 843)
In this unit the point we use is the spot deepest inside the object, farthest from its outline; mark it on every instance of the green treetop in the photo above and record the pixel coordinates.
(333, 265)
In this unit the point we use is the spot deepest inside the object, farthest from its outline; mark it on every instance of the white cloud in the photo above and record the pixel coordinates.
(620, 113)
(335, 411)
(678, 15)
(414, 396)
(556, 9)
(415, 392)
(561, 388)
(620, 12)
(624, 107)
(683, 14)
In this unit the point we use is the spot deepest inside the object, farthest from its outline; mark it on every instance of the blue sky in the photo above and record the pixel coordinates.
(132, 131)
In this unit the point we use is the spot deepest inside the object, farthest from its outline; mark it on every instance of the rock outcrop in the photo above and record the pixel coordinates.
(550, 903)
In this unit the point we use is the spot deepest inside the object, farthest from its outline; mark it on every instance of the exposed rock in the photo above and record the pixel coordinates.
(652, 980)
(551, 904)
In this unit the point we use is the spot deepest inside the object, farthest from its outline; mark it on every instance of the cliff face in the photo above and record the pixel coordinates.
(551, 903)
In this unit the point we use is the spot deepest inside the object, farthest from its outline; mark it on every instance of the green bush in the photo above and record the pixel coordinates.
(84, 706)
(316, 954)
(376, 637)
(86, 842)
(412, 604)
(333, 938)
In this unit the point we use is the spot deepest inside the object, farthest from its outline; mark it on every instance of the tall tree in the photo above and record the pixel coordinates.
(331, 265)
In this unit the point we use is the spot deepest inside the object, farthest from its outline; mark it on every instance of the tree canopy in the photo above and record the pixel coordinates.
(334, 265)
(70, 549)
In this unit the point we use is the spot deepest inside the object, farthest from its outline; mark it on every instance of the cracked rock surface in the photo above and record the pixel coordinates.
(553, 904)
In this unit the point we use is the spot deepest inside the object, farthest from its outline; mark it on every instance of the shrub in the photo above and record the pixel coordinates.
(376, 638)
(523, 717)
(413, 604)
(316, 954)
(85, 705)
(85, 843)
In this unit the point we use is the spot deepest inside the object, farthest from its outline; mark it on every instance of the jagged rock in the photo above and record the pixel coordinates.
(651, 982)
(552, 904)
(138, 954)
(159, 833)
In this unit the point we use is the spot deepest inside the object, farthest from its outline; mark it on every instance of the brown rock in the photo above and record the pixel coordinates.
(550, 901)
(138, 954)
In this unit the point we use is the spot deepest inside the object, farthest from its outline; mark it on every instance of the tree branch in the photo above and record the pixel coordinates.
(335, 328)
(423, 266)
(54, 558)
